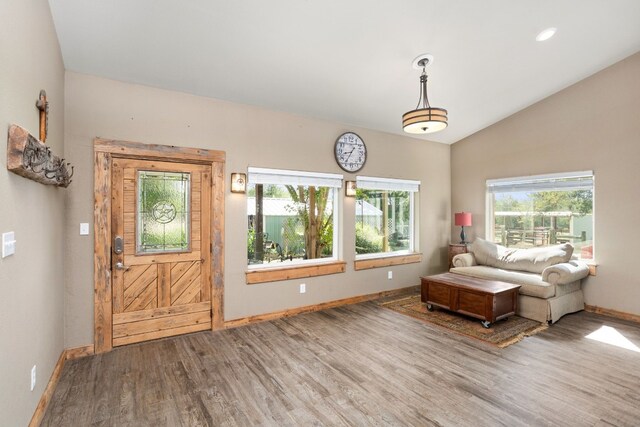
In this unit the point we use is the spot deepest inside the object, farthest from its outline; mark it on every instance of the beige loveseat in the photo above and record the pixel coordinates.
(550, 279)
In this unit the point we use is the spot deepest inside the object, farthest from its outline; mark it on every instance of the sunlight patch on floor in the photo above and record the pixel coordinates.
(609, 335)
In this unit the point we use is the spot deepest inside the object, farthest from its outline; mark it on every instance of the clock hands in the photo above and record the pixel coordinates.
(350, 153)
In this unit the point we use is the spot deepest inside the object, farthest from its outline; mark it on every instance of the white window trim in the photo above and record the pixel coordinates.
(390, 184)
(555, 181)
(378, 255)
(543, 177)
(288, 177)
(292, 177)
(505, 182)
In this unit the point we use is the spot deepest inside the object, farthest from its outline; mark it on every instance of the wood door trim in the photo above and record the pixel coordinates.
(102, 338)
(167, 153)
(104, 152)
(217, 244)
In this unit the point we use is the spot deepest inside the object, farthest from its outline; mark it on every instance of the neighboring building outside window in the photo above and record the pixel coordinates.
(543, 210)
(385, 216)
(292, 217)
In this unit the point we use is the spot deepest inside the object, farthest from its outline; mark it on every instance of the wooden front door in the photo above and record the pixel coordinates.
(160, 249)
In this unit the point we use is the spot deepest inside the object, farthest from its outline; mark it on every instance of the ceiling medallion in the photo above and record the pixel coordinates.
(424, 118)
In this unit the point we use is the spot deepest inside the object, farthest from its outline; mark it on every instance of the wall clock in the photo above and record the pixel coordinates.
(350, 152)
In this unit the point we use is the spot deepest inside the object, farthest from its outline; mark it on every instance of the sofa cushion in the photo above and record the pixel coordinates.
(531, 283)
(533, 260)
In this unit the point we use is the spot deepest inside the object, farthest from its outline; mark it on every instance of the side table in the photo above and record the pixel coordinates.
(455, 249)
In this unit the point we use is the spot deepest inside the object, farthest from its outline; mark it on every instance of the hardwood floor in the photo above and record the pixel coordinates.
(357, 365)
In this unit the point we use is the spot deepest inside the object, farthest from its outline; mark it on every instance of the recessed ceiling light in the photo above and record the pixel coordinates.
(546, 34)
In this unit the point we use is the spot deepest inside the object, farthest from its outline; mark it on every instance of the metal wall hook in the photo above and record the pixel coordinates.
(37, 162)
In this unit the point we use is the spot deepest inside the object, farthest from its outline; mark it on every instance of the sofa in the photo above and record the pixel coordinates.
(550, 279)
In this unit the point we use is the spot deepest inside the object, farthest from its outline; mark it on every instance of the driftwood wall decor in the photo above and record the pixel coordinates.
(30, 158)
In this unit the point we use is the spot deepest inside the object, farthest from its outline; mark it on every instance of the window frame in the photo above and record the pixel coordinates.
(538, 183)
(257, 175)
(392, 184)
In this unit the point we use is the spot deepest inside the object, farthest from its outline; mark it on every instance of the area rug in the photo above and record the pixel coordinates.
(502, 333)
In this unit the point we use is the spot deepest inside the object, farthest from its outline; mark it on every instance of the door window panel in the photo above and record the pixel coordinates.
(163, 214)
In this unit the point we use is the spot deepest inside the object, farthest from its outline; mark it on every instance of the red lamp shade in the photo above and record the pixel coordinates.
(463, 219)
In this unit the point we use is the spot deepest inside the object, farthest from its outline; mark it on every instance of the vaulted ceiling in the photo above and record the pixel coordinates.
(350, 60)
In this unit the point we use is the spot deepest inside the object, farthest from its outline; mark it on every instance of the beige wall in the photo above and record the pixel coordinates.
(31, 281)
(251, 137)
(592, 125)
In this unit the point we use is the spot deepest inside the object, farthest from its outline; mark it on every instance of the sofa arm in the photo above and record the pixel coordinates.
(566, 272)
(464, 260)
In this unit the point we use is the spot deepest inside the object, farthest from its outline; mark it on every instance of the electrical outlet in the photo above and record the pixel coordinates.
(303, 288)
(390, 275)
(33, 377)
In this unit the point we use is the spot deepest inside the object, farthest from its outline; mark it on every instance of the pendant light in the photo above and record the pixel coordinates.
(424, 118)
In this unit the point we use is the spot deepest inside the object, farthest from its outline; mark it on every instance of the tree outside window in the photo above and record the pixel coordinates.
(290, 223)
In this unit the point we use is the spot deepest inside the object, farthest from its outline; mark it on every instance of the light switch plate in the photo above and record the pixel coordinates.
(33, 377)
(84, 228)
(8, 244)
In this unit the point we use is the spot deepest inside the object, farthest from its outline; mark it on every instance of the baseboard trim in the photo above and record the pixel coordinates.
(66, 354)
(316, 307)
(48, 392)
(78, 352)
(612, 313)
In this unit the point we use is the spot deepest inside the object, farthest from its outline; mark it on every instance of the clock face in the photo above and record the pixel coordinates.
(350, 152)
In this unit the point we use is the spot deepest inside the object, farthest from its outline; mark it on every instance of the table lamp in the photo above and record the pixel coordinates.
(463, 219)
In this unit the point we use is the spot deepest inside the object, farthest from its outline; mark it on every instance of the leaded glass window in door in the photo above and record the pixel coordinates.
(163, 213)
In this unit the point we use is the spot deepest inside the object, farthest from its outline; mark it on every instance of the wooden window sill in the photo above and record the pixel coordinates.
(386, 261)
(294, 272)
(593, 269)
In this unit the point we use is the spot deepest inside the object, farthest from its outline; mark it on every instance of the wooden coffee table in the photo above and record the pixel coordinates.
(487, 300)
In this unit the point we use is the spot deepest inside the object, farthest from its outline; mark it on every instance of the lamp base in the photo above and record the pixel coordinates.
(463, 236)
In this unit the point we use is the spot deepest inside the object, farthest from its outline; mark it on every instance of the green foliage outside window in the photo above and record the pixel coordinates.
(382, 221)
(304, 231)
(368, 240)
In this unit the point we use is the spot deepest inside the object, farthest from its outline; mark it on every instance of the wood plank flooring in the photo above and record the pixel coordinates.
(357, 365)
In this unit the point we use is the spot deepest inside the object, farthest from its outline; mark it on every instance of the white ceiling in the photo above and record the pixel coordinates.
(350, 60)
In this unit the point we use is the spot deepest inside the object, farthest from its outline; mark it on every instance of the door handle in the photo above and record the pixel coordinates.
(121, 266)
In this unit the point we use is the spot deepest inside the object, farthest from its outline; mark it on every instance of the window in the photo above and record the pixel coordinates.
(292, 217)
(163, 212)
(385, 216)
(542, 210)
